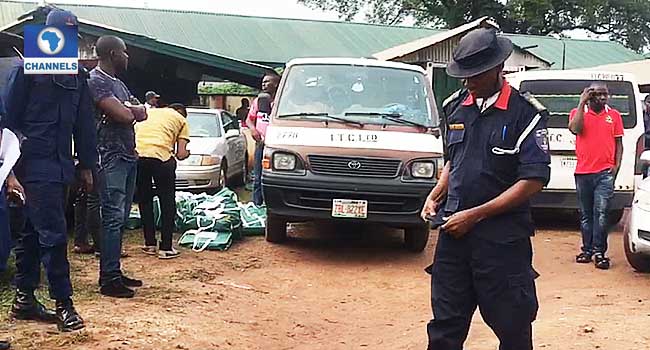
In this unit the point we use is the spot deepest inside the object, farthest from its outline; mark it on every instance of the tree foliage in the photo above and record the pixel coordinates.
(232, 89)
(626, 21)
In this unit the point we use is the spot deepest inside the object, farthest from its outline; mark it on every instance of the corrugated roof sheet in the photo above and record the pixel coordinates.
(255, 39)
(275, 40)
(579, 53)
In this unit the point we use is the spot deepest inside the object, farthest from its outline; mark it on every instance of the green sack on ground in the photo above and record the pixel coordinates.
(134, 221)
(253, 219)
(199, 241)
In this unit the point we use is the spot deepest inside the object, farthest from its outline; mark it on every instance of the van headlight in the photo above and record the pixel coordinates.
(423, 169)
(642, 199)
(284, 161)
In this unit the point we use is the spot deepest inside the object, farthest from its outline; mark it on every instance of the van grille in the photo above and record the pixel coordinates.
(354, 166)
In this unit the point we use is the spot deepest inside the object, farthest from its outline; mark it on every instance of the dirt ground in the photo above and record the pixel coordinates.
(336, 288)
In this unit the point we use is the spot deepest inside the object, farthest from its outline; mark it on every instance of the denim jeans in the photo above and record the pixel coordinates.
(258, 195)
(595, 192)
(117, 180)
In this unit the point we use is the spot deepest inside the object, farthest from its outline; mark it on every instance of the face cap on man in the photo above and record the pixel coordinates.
(151, 96)
(58, 17)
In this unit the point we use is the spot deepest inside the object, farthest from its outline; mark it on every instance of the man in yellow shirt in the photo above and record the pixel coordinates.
(160, 140)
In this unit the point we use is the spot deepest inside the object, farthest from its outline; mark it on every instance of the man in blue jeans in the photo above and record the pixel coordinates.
(117, 111)
(599, 148)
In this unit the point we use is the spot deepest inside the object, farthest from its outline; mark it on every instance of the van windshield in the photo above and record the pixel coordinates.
(561, 96)
(357, 93)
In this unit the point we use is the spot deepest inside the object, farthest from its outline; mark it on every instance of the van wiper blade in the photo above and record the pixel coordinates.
(324, 115)
(394, 117)
(304, 114)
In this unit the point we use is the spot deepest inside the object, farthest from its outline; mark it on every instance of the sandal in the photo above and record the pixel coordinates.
(601, 261)
(583, 258)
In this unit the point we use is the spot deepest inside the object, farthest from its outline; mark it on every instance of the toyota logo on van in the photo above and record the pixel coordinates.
(354, 165)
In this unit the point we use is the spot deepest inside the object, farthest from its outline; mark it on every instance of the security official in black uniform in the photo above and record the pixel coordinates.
(48, 111)
(496, 158)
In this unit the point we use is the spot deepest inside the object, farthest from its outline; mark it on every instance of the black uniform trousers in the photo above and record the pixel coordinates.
(495, 276)
(44, 240)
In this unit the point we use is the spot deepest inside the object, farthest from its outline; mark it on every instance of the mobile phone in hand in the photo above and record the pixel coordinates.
(18, 197)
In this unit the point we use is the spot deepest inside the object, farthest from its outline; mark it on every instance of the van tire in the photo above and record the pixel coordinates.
(276, 229)
(639, 262)
(416, 238)
(615, 216)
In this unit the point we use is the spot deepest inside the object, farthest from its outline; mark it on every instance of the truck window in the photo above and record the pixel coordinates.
(561, 96)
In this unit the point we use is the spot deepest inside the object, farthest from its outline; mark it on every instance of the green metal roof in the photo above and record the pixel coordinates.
(254, 39)
(579, 53)
(276, 41)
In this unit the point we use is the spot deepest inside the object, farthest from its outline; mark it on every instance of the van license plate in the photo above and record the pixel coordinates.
(569, 162)
(349, 208)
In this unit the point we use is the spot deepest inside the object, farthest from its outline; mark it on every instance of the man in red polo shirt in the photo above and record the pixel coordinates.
(599, 148)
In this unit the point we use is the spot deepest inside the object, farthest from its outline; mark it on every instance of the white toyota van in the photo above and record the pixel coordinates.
(560, 92)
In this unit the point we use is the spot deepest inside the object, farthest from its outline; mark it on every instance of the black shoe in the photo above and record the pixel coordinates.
(26, 307)
(601, 261)
(583, 258)
(68, 318)
(5, 345)
(116, 289)
(131, 282)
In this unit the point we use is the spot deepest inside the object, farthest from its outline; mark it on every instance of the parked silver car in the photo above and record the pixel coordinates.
(218, 152)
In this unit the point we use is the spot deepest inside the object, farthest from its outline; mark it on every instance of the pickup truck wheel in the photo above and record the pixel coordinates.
(639, 262)
(416, 238)
(276, 229)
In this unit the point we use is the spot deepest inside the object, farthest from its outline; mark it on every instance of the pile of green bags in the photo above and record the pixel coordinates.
(210, 222)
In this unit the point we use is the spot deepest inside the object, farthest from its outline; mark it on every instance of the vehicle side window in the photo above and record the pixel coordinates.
(228, 121)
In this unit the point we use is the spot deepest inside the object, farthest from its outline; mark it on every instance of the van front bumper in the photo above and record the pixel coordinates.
(568, 199)
(638, 230)
(309, 197)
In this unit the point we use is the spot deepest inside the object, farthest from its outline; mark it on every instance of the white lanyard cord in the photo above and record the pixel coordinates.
(522, 137)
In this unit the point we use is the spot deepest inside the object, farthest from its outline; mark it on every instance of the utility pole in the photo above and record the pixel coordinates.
(563, 53)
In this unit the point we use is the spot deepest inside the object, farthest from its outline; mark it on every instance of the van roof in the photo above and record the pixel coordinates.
(576, 74)
(354, 62)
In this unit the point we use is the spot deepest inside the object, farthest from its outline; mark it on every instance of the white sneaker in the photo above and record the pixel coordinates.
(168, 254)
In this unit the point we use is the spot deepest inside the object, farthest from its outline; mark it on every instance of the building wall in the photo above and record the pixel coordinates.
(442, 53)
(229, 103)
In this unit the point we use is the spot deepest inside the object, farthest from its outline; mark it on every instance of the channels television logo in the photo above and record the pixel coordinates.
(51, 50)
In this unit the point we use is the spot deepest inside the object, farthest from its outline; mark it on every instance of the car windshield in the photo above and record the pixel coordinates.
(561, 96)
(360, 93)
(203, 124)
